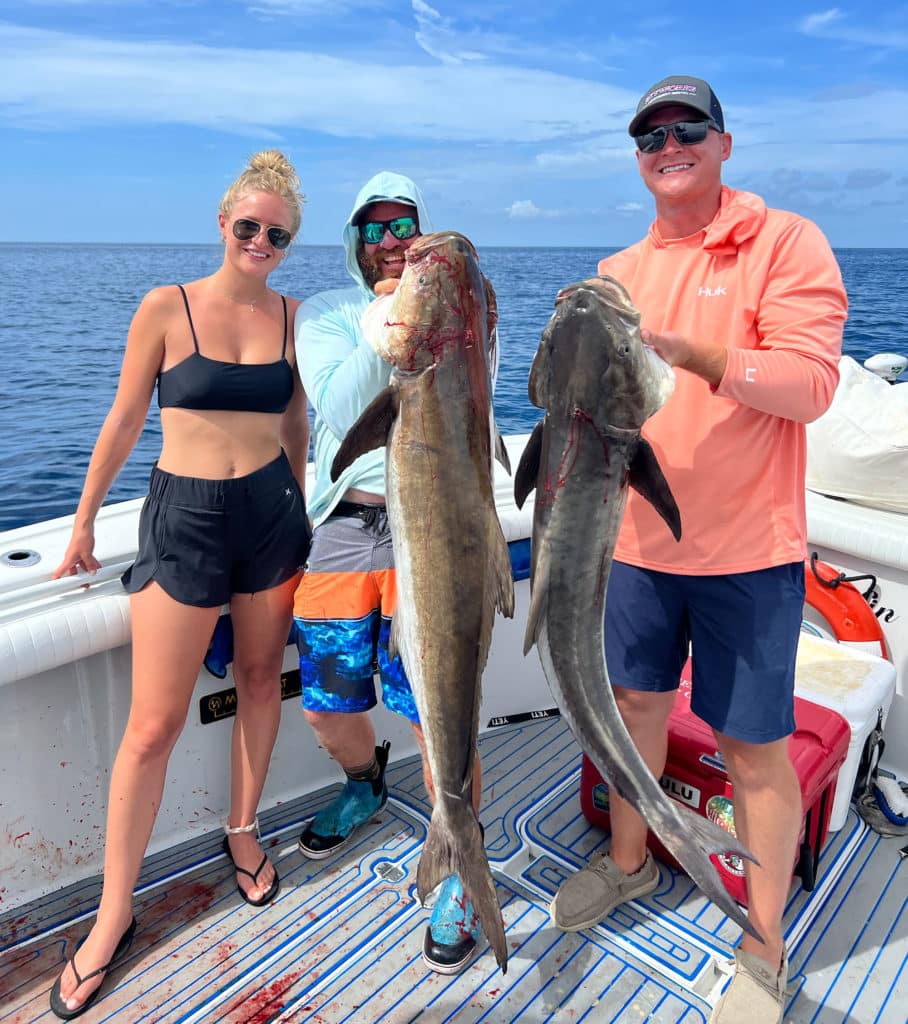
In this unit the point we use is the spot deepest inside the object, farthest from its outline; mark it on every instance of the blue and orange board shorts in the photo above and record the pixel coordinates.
(342, 610)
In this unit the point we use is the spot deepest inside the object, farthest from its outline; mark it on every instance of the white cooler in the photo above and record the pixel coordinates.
(856, 684)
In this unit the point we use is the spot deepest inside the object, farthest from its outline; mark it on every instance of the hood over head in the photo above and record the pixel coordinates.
(390, 187)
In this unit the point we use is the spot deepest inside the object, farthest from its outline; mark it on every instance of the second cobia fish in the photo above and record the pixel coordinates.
(599, 384)
(452, 563)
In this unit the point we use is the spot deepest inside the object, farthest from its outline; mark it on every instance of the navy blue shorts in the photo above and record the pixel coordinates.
(742, 630)
(203, 540)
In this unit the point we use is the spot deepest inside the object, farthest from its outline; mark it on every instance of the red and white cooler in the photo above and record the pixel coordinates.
(695, 775)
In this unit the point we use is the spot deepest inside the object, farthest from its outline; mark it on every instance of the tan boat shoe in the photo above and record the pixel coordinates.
(754, 995)
(592, 893)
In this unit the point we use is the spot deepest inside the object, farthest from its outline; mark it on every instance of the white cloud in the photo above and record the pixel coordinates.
(309, 8)
(444, 39)
(526, 209)
(436, 35)
(816, 23)
(588, 154)
(483, 125)
(523, 208)
(80, 3)
(832, 24)
(629, 207)
(60, 80)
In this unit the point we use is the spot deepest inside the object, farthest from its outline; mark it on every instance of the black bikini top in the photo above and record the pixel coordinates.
(202, 383)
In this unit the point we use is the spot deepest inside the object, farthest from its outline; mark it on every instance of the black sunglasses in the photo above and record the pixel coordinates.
(686, 133)
(373, 231)
(244, 229)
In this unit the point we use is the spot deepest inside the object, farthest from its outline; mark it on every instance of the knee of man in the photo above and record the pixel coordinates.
(644, 708)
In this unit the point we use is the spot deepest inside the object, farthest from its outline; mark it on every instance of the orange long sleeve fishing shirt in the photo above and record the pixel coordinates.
(766, 284)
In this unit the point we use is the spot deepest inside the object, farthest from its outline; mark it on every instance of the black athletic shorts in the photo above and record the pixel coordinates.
(204, 540)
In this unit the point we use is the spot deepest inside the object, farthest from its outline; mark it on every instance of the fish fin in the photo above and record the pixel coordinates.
(501, 453)
(456, 847)
(692, 844)
(647, 479)
(369, 431)
(503, 573)
(393, 638)
(528, 467)
(498, 594)
(539, 599)
(539, 383)
(492, 325)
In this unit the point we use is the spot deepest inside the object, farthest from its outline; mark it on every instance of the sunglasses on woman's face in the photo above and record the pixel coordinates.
(686, 133)
(373, 231)
(244, 229)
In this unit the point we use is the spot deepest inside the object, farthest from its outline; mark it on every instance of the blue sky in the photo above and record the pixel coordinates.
(124, 120)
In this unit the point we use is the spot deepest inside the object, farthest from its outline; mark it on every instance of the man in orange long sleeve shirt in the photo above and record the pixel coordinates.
(747, 304)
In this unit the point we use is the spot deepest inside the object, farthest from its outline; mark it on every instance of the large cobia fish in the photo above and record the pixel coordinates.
(453, 567)
(599, 384)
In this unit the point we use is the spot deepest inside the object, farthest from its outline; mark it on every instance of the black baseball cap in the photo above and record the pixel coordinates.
(678, 89)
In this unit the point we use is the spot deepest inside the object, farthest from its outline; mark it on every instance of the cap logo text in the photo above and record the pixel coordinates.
(679, 87)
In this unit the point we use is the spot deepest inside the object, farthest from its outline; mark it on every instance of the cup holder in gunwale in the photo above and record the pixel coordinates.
(20, 558)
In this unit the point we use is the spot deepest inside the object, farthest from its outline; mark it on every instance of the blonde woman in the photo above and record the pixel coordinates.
(224, 522)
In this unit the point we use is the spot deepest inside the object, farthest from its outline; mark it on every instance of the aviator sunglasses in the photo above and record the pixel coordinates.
(402, 228)
(244, 229)
(686, 133)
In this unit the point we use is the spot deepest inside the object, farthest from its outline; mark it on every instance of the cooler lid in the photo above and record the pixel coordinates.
(839, 676)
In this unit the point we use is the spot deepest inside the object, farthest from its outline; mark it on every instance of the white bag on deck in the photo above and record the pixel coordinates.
(858, 449)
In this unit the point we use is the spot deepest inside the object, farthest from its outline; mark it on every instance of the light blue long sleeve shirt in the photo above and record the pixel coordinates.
(340, 370)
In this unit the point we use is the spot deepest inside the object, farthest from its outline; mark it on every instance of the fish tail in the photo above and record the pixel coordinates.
(454, 846)
(698, 839)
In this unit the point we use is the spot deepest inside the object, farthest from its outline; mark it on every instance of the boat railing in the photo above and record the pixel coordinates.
(17, 600)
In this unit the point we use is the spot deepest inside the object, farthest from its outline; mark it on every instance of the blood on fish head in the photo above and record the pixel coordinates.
(592, 359)
(434, 307)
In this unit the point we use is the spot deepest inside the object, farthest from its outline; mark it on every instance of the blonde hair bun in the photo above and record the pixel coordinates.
(268, 171)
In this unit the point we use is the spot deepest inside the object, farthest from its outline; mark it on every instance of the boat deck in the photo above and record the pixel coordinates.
(342, 942)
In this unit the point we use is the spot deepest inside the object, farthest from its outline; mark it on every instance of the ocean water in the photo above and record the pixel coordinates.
(66, 309)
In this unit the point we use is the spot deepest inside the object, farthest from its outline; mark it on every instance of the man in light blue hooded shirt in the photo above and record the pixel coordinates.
(345, 600)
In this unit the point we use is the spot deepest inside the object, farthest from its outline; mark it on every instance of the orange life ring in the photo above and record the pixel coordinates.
(844, 607)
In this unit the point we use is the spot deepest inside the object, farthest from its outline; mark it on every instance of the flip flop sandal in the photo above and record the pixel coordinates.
(275, 886)
(58, 1003)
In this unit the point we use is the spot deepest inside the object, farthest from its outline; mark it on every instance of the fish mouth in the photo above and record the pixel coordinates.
(426, 244)
(608, 291)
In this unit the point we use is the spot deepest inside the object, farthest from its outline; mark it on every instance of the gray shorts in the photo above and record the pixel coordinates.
(202, 540)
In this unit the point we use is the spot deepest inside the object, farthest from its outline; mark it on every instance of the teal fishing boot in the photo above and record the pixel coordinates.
(332, 827)
(453, 931)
